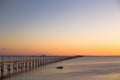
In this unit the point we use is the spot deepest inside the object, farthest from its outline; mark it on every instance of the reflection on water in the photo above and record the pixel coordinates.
(84, 68)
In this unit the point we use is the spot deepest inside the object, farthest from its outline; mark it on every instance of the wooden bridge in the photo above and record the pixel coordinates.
(14, 64)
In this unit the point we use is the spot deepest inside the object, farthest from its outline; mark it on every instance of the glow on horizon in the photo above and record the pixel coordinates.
(64, 27)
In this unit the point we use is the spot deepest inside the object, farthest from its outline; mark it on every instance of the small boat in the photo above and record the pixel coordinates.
(59, 67)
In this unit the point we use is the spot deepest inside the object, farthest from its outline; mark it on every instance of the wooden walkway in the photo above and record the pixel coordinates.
(13, 64)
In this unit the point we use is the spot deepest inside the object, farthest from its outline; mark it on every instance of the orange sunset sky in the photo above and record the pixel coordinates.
(60, 27)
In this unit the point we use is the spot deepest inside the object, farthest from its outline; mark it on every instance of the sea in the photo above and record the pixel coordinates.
(82, 68)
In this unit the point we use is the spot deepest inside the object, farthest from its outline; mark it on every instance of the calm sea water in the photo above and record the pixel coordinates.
(84, 68)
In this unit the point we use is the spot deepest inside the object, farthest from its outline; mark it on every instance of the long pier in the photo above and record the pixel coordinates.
(15, 64)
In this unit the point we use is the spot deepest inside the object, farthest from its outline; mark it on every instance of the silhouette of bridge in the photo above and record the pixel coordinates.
(14, 64)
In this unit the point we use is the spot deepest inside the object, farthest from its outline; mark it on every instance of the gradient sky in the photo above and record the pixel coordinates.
(60, 27)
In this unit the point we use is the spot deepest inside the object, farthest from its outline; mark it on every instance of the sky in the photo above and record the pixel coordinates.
(60, 27)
